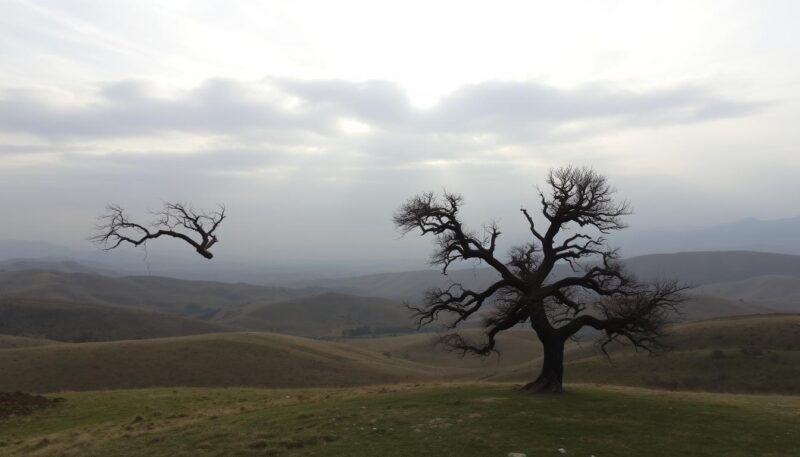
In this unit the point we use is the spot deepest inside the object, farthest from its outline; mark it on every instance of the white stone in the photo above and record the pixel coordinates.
(561, 450)
(516, 454)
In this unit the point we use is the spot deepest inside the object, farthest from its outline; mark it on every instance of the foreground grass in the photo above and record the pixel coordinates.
(448, 420)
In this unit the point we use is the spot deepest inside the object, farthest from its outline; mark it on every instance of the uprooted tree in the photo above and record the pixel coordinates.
(578, 209)
(176, 220)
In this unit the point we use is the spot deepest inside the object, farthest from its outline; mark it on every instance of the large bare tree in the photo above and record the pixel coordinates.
(176, 220)
(578, 209)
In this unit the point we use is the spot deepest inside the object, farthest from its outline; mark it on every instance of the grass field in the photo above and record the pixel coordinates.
(423, 420)
(755, 354)
(213, 360)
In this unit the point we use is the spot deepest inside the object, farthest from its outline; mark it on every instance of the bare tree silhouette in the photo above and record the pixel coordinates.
(176, 220)
(599, 294)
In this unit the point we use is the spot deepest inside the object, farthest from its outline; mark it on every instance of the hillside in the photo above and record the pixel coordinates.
(14, 342)
(67, 321)
(698, 268)
(219, 360)
(328, 315)
(744, 354)
(777, 235)
(242, 306)
(691, 268)
(701, 306)
(54, 264)
(777, 292)
(404, 285)
(514, 347)
(200, 299)
(400, 421)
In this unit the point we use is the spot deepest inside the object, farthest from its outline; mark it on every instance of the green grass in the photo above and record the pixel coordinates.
(449, 420)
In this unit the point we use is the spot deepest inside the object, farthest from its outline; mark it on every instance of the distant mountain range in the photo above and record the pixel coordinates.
(690, 268)
(66, 303)
(778, 235)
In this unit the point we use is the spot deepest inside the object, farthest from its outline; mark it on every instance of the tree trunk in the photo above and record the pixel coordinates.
(551, 377)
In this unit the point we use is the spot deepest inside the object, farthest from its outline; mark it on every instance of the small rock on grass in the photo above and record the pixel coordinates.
(516, 454)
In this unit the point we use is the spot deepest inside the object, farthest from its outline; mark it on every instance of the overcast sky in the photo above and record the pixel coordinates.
(313, 121)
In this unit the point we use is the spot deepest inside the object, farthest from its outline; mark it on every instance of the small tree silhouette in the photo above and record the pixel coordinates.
(176, 220)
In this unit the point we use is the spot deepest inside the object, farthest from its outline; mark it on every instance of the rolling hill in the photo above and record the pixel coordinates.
(514, 347)
(14, 342)
(75, 322)
(701, 307)
(691, 268)
(200, 299)
(740, 354)
(746, 354)
(219, 360)
(242, 306)
(465, 420)
(699, 268)
(778, 292)
(328, 315)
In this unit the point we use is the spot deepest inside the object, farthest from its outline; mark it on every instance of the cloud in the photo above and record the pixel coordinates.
(229, 107)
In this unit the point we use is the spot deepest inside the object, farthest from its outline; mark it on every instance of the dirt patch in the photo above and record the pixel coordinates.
(13, 404)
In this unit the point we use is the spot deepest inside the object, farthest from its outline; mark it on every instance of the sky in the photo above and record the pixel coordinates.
(313, 121)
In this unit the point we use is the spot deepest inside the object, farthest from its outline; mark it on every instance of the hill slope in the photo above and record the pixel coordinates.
(328, 315)
(14, 342)
(700, 307)
(200, 299)
(66, 321)
(462, 420)
(220, 360)
(514, 347)
(777, 292)
(744, 354)
(691, 268)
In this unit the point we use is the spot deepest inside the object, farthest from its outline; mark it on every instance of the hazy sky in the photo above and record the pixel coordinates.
(313, 121)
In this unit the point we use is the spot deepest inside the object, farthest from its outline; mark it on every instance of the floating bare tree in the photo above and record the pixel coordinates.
(176, 220)
(598, 293)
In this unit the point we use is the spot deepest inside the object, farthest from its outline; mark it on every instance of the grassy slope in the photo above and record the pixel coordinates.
(325, 315)
(701, 307)
(67, 321)
(515, 347)
(465, 420)
(753, 354)
(778, 292)
(225, 359)
(202, 299)
(14, 342)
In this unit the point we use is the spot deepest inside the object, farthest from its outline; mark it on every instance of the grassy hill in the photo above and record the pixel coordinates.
(200, 299)
(702, 306)
(328, 315)
(67, 321)
(745, 354)
(224, 359)
(14, 342)
(691, 268)
(698, 268)
(775, 291)
(399, 421)
(515, 347)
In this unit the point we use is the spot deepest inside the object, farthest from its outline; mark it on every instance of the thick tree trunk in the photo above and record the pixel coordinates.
(551, 377)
